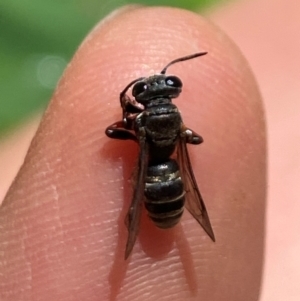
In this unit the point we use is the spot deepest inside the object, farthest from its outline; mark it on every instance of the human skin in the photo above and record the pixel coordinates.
(267, 32)
(62, 234)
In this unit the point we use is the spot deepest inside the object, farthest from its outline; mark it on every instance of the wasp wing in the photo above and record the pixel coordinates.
(134, 213)
(193, 199)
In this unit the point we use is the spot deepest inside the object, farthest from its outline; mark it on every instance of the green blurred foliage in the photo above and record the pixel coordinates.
(37, 39)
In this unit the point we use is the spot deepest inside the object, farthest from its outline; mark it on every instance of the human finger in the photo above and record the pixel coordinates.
(59, 218)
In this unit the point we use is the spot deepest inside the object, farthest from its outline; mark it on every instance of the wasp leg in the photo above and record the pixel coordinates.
(117, 131)
(130, 106)
(190, 136)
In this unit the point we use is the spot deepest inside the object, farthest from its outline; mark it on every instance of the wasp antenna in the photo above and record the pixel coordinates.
(181, 59)
(128, 86)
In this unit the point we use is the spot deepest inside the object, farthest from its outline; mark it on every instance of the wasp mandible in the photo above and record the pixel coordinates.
(165, 181)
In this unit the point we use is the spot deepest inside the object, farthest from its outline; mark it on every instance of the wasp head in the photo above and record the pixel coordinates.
(157, 86)
(147, 89)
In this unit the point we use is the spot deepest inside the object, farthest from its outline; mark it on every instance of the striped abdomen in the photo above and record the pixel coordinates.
(164, 194)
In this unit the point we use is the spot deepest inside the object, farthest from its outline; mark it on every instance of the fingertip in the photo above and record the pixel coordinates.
(80, 175)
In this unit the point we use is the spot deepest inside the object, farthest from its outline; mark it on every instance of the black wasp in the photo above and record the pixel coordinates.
(165, 184)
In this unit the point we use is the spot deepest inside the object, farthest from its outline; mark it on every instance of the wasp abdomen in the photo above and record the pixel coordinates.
(164, 193)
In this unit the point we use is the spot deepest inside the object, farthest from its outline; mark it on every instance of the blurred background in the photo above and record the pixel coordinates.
(38, 38)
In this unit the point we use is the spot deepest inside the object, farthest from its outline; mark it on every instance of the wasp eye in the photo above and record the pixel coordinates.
(139, 88)
(173, 81)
